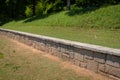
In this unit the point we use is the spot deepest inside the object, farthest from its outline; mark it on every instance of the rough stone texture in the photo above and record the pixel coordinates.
(92, 65)
(99, 57)
(113, 77)
(101, 67)
(69, 50)
(83, 64)
(63, 50)
(72, 60)
(96, 58)
(88, 54)
(77, 62)
(65, 56)
(113, 60)
(37, 45)
(71, 53)
(112, 71)
(79, 56)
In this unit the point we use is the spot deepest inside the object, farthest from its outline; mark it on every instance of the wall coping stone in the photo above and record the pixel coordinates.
(96, 48)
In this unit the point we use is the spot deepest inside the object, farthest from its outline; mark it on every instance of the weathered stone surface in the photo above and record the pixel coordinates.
(113, 71)
(101, 49)
(63, 50)
(79, 56)
(72, 60)
(37, 45)
(71, 54)
(58, 54)
(113, 60)
(65, 56)
(63, 46)
(104, 74)
(48, 49)
(42, 47)
(101, 67)
(30, 42)
(92, 65)
(99, 57)
(113, 77)
(57, 46)
(88, 54)
(55, 52)
(83, 64)
(70, 51)
(77, 62)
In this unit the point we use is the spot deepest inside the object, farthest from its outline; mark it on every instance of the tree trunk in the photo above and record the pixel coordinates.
(68, 5)
(33, 8)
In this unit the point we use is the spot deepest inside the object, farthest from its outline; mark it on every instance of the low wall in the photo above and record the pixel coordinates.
(99, 59)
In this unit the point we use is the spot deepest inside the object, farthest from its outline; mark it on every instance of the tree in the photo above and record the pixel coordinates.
(33, 7)
(68, 5)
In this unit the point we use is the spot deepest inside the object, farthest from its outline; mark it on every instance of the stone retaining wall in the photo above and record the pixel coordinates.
(99, 59)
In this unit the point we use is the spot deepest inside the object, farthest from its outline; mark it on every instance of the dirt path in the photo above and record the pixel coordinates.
(66, 65)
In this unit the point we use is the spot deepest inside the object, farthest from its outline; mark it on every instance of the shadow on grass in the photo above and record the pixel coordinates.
(32, 18)
(39, 16)
(5, 20)
(82, 10)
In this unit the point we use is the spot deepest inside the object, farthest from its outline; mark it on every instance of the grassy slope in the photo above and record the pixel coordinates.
(102, 18)
(27, 64)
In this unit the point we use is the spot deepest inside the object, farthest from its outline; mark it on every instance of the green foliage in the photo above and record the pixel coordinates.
(28, 11)
(39, 8)
(48, 7)
(45, 6)
(20, 8)
(96, 3)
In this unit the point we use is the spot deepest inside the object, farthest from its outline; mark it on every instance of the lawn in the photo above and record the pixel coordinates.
(103, 37)
(18, 62)
(100, 26)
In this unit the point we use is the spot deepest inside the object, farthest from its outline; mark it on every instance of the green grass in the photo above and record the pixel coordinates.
(26, 64)
(105, 17)
(103, 37)
(99, 27)
(1, 55)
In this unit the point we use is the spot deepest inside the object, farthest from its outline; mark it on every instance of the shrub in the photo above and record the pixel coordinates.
(28, 11)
